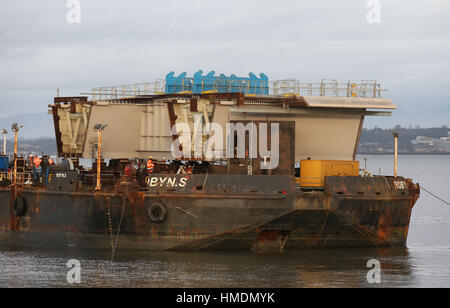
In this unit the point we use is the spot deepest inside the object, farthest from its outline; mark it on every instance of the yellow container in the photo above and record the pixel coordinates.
(313, 172)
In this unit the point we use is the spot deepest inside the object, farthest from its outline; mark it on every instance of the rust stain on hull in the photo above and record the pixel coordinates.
(351, 212)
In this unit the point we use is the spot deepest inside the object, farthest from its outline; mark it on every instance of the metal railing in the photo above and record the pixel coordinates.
(22, 178)
(5, 176)
(90, 180)
(364, 88)
(131, 90)
(87, 180)
(280, 88)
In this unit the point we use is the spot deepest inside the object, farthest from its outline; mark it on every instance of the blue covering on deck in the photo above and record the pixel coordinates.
(4, 163)
(200, 83)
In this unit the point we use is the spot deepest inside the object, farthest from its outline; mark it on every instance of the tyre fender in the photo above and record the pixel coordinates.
(157, 213)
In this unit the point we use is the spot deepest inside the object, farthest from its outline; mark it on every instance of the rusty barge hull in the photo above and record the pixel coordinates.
(244, 212)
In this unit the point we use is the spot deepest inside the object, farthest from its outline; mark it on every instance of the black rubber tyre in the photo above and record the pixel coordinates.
(20, 207)
(157, 213)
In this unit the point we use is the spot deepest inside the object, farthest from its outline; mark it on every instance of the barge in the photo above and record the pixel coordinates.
(306, 191)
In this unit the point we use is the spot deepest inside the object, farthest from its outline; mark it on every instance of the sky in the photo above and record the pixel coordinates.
(123, 42)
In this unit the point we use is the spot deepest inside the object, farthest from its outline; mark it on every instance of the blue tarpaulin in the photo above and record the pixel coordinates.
(4, 163)
(200, 83)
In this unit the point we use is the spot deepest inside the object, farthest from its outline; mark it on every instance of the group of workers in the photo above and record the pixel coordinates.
(40, 168)
(181, 170)
(129, 171)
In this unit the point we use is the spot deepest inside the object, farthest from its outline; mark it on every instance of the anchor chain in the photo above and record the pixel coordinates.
(120, 224)
(108, 207)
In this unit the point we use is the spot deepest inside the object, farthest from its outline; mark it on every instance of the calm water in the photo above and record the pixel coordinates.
(425, 263)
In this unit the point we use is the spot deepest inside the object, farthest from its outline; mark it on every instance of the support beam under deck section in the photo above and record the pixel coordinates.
(70, 122)
(326, 128)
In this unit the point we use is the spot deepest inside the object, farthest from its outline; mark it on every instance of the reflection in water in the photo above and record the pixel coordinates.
(306, 268)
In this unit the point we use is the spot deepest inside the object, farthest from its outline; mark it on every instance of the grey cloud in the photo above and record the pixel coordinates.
(137, 41)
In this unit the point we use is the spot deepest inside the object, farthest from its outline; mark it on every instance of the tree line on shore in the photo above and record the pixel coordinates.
(37, 146)
(382, 138)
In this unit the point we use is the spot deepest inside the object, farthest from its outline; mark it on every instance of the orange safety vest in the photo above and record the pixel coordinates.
(37, 162)
(127, 171)
(150, 166)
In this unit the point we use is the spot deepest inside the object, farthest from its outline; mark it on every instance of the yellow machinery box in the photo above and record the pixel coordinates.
(313, 172)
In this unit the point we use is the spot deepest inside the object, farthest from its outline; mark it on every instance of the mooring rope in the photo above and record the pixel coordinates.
(120, 224)
(434, 195)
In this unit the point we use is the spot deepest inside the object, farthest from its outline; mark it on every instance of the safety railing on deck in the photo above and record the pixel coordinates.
(131, 90)
(22, 178)
(364, 88)
(5, 176)
(279, 88)
(87, 180)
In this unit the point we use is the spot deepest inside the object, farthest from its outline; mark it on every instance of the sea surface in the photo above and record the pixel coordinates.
(424, 263)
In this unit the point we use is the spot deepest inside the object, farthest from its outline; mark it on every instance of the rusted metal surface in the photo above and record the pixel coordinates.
(56, 118)
(208, 184)
(271, 240)
(83, 215)
(172, 115)
(193, 105)
(378, 208)
(59, 104)
(13, 220)
(210, 212)
(240, 98)
(286, 139)
(291, 101)
(217, 97)
(71, 100)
